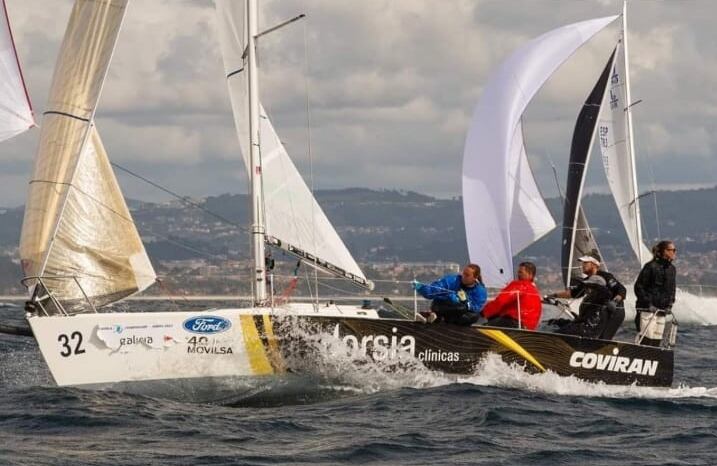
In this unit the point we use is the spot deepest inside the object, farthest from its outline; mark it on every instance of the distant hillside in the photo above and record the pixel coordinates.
(396, 225)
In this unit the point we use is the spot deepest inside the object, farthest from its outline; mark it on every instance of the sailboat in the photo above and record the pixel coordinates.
(16, 114)
(81, 250)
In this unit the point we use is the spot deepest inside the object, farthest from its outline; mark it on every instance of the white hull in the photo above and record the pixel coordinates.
(129, 350)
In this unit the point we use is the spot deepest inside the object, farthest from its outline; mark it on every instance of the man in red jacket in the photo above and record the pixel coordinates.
(519, 304)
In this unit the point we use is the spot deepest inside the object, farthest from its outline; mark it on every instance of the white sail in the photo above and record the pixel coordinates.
(15, 108)
(77, 223)
(502, 206)
(617, 155)
(293, 218)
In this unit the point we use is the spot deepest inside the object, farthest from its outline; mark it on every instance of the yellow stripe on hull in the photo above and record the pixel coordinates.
(274, 353)
(258, 359)
(512, 345)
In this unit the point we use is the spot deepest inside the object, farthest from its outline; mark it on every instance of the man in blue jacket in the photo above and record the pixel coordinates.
(456, 299)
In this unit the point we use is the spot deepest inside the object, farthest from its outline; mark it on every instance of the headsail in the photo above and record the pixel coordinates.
(578, 240)
(76, 220)
(618, 154)
(293, 219)
(502, 206)
(15, 108)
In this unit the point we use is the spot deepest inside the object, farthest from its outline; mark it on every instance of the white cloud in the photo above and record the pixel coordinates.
(392, 86)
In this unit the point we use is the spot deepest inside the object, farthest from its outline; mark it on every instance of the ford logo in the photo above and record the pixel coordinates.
(207, 324)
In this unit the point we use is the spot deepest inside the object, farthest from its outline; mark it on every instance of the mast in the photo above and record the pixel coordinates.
(630, 138)
(257, 227)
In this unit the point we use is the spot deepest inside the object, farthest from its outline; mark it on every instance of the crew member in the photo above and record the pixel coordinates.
(655, 290)
(593, 315)
(615, 307)
(456, 299)
(518, 305)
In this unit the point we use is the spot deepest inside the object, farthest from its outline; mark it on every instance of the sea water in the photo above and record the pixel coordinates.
(355, 414)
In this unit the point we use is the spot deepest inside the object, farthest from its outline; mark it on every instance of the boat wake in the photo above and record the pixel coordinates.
(496, 373)
(689, 308)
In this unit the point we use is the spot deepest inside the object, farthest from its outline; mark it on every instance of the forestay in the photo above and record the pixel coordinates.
(578, 239)
(503, 209)
(76, 220)
(618, 155)
(15, 108)
(293, 218)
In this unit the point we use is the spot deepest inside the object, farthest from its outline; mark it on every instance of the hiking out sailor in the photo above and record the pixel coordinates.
(655, 290)
(518, 305)
(456, 299)
(615, 307)
(593, 314)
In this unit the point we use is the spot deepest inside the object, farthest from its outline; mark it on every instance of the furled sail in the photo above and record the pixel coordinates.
(578, 240)
(502, 206)
(15, 108)
(77, 223)
(617, 155)
(294, 220)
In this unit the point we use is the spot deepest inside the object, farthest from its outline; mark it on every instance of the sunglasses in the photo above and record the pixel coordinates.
(671, 249)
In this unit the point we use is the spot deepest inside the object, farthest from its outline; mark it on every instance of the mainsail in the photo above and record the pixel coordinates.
(578, 239)
(502, 206)
(293, 219)
(77, 223)
(15, 108)
(615, 135)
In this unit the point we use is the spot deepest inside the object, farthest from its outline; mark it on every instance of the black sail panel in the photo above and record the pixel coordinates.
(574, 220)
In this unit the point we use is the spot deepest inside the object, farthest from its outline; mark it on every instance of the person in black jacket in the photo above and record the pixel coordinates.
(656, 285)
(615, 306)
(593, 317)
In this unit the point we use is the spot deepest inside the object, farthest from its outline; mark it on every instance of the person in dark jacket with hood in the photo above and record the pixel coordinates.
(656, 285)
(456, 299)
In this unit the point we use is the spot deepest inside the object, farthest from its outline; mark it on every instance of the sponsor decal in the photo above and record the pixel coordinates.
(124, 338)
(614, 363)
(136, 340)
(383, 347)
(207, 324)
(202, 345)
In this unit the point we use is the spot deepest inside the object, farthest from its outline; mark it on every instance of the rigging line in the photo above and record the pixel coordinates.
(308, 142)
(183, 199)
(650, 168)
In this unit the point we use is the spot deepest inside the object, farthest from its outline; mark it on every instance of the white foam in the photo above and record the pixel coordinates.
(341, 368)
(494, 372)
(688, 308)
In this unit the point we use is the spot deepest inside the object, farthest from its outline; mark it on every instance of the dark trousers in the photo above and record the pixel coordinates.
(503, 321)
(614, 321)
(452, 313)
(592, 327)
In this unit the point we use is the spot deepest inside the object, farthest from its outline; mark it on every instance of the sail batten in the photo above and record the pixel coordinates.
(502, 206)
(292, 216)
(16, 114)
(77, 223)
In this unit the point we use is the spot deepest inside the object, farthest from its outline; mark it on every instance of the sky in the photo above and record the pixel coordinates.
(376, 93)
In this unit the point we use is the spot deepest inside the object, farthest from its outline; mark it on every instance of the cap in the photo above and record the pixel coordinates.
(589, 259)
(595, 280)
